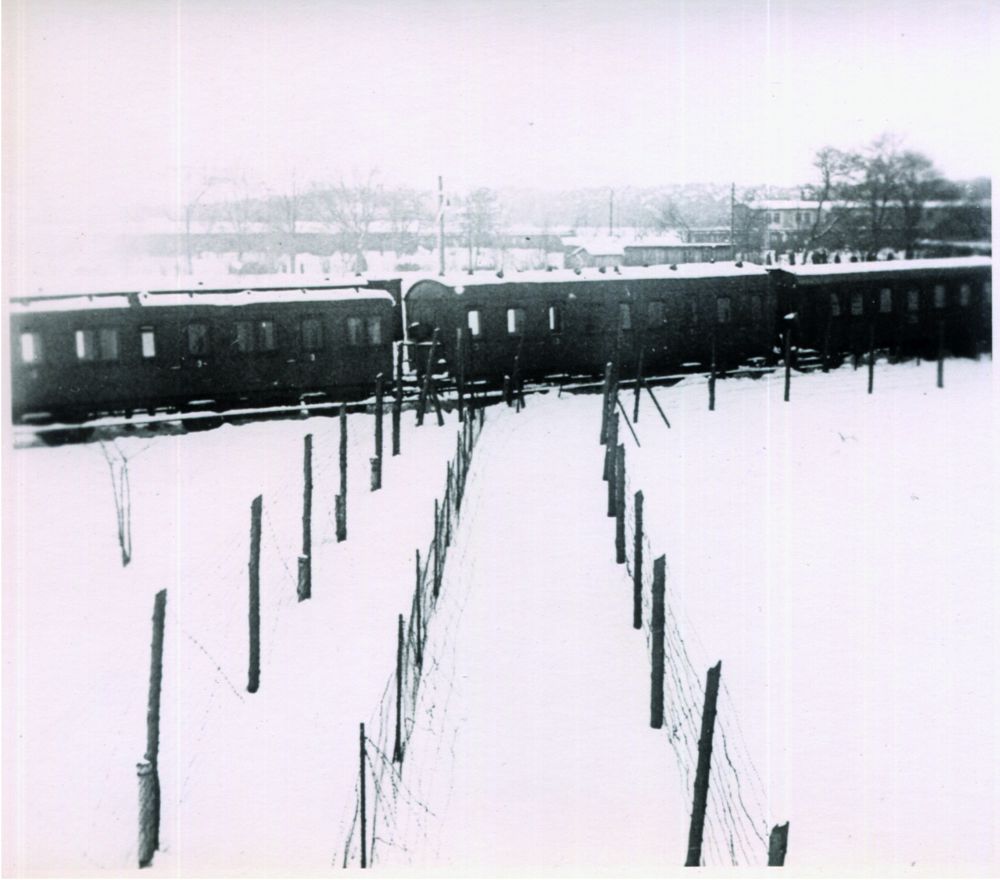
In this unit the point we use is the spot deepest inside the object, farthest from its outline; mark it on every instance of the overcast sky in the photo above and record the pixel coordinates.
(113, 96)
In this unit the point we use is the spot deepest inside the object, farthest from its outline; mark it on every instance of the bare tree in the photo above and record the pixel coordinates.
(350, 209)
(834, 167)
(479, 222)
(193, 187)
(918, 181)
(407, 217)
(239, 210)
(285, 212)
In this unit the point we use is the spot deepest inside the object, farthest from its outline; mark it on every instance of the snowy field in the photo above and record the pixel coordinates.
(837, 553)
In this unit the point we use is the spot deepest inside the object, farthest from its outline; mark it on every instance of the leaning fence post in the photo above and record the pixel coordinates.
(620, 504)
(148, 770)
(657, 626)
(637, 564)
(638, 385)
(611, 463)
(704, 767)
(507, 399)
(377, 465)
(253, 676)
(777, 846)
(437, 548)
(397, 750)
(305, 560)
(361, 802)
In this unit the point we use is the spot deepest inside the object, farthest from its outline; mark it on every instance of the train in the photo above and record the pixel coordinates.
(289, 339)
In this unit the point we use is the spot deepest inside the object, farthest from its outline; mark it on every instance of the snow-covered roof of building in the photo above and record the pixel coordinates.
(669, 240)
(881, 267)
(459, 281)
(262, 297)
(784, 205)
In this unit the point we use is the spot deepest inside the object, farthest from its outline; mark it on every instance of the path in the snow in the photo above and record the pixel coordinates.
(553, 765)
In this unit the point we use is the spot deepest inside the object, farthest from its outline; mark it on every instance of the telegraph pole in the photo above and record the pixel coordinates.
(611, 215)
(441, 223)
(732, 217)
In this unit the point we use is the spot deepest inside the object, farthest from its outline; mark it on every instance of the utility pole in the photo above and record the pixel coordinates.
(732, 217)
(441, 223)
(611, 214)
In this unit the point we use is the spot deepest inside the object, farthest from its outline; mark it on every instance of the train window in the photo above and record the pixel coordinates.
(354, 327)
(724, 309)
(885, 300)
(374, 327)
(624, 316)
(756, 308)
(834, 305)
(555, 319)
(197, 339)
(147, 342)
(31, 348)
(515, 321)
(913, 300)
(475, 323)
(312, 334)
(939, 296)
(107, 338)
(656, 313)
(964, 295)
(267, 337)
(243, 342)
(86, 345)
(857, 304)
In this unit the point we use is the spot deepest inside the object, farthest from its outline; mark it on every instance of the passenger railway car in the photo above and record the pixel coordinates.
(906, 306)
(575, 322)
(78, 356)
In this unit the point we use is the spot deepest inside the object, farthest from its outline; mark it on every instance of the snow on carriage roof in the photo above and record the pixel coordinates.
(29, 306)
(884, 266)
(261, 297)
(623, 273)
(183, 283)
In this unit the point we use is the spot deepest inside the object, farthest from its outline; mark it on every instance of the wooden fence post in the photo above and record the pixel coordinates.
(704, 767)
(305, 559)
(826, 345)
(777, 846)
(397, 750)
(428, 373)
(871, 357)
(253, 676)
(379, 403)
(437, 548)
(788, 360)
(418, 617)
(637, 564)
(940, 355)
(657, 626)
(361, 805)
(620, 504)
(397, 403)
(148, 770)
(605, 411)
(507, 399)
(341, 501)
(711, 380)
(460, 377)
(638, 385)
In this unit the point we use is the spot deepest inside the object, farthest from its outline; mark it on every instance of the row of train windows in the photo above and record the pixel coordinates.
(656, 314)
(940, 299)
(247, 337)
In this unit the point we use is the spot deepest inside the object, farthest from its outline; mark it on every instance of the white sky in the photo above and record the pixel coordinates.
(112, 96)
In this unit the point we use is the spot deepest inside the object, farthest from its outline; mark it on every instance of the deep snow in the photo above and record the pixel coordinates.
(837, 552)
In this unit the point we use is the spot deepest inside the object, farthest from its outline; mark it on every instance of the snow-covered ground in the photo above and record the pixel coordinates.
(837, 553)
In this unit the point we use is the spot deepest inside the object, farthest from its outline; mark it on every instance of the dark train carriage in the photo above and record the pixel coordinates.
(564, 322)
(905, 306)
(78, 356)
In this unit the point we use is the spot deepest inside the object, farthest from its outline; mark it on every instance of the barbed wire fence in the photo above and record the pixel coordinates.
(416, 694)
(734, 825)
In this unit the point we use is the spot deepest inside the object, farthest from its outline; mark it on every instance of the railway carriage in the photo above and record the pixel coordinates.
(75, 357)
(557, 322)
(906, 306)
